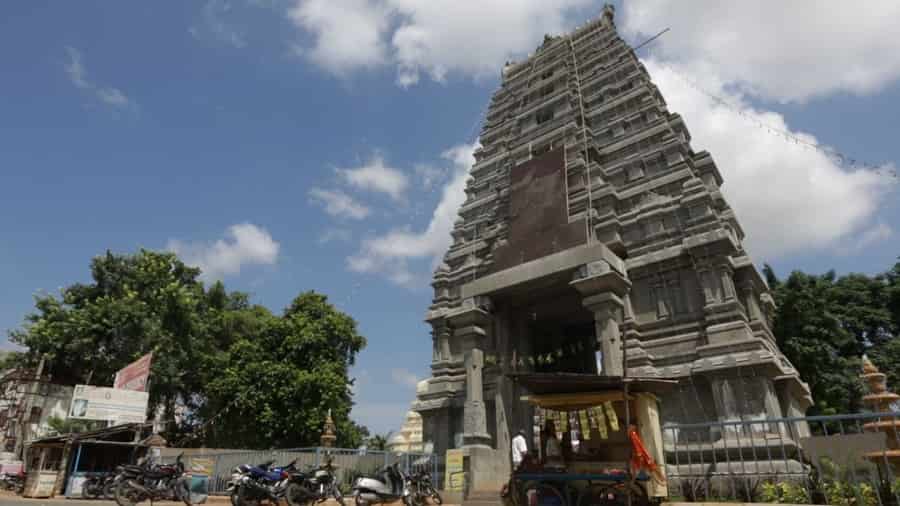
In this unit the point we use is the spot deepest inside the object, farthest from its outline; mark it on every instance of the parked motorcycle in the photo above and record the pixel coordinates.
(154, 483)
(252, 484)
(14, 482)
(421, 489)
(94, 485)
(315, 486)
(389, 485)
(112, 483)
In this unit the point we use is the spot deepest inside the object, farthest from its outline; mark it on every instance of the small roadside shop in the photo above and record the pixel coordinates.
(59, 464)
(600, 441)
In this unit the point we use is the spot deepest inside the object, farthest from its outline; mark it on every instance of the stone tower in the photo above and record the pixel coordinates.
(589, 223)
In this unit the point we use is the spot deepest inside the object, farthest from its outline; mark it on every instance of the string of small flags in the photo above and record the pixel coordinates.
(846, 161)
(551, 357)
(601, 419)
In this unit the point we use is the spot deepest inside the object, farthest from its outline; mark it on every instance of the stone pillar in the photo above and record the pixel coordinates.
(726, 402)
(474, 414)
(753, 312)
(471, 323)
(725, 272)
(707, 285)
(604, 287)
(444, 343)
(606, 308)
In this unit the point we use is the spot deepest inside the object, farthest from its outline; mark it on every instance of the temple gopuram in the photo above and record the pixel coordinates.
(592, 230)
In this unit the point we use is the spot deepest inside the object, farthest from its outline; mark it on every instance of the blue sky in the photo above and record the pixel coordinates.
(312, 144)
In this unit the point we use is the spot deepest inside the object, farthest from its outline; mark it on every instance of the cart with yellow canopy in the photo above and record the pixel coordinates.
(600, 441)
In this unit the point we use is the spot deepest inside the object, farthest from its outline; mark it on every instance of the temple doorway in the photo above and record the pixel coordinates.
(561, 346)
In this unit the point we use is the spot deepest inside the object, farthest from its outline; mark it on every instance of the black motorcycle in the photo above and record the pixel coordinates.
(95, 485)
(314, 486)
(14, 482)
(422, 489)
(251, 485)
(142, 482)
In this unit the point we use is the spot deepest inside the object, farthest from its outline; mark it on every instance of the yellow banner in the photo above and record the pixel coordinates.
(601, 422)
(454, 470)
(585, 426)
(611, 415)
(203, 466)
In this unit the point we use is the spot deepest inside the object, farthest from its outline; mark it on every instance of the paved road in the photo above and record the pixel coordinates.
(7, 499)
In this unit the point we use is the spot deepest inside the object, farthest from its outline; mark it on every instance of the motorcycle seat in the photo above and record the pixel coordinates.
(154, 474)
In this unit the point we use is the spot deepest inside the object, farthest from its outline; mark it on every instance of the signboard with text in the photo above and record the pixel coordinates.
(454, 470)
(135, 375)
(109, 404)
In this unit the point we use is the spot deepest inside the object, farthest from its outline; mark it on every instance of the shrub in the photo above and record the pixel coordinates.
(784, 493)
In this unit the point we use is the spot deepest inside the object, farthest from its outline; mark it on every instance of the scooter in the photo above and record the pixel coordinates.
(389, 485)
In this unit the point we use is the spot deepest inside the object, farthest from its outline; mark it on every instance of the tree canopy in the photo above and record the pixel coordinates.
(824, 323)
(224, 370)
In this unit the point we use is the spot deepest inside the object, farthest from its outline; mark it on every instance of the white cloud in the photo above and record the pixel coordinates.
(375, 176)
(434, 37)
(866, 239)
(335, 235)
(429, 175)
(244, 244)
(77, 72)
(212, 22)
(473, 38)
(784, 51)
(787, 197)
(390, 254)
(338, 203)
(348, 34)
(404, 378)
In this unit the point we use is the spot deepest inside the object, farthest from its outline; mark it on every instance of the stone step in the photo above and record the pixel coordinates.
(485, 502)
(484, 496)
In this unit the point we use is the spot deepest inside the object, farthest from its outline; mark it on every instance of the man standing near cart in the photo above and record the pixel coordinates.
(519, 449)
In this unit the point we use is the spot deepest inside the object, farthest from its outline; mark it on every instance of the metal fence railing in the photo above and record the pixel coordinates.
(838, 460)
(349, 463)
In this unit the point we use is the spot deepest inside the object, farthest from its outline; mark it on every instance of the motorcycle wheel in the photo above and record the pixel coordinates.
(294, 495)
(109, 491)
(90, 490)
(126, 495)
(184, 492)
(338, 496)
(233, 497)
(357, 498)
(245, 497)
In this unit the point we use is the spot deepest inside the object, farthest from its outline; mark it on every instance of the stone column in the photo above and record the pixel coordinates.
(444, 343)
(604, 287)
(606, 308)
(725, 272)
(707, 285)
(474, 414)
(471, 324)
(726, 402)
(749, 292)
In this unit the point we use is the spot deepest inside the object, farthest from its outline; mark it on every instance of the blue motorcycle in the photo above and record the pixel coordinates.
(251, 485)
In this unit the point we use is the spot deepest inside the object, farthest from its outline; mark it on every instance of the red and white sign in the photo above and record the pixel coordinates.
(135, 375)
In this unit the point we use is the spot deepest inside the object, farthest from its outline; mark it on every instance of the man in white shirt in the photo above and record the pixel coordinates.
(519, 449)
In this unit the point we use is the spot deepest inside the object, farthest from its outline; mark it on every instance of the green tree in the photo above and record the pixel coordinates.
(886, 354)
(378, 442)
(276, 389)
(824, 323)
(236, 374)
(71, 426)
